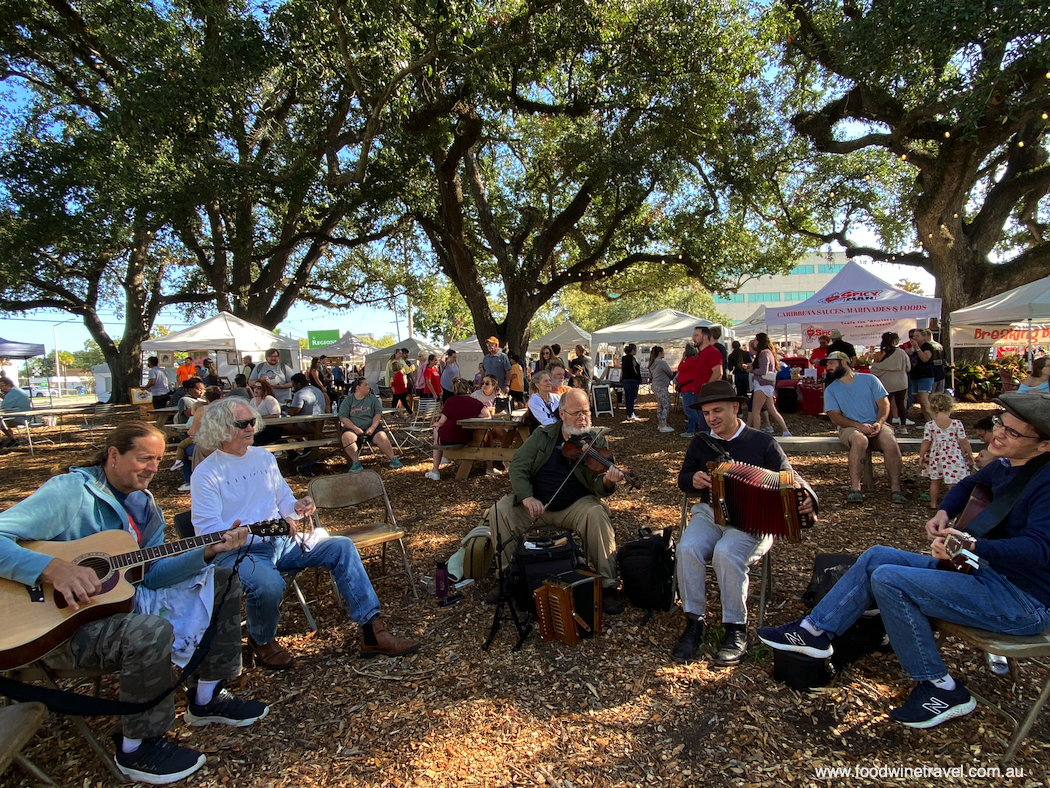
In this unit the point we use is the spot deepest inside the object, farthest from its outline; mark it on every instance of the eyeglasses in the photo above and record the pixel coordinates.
(575, 414)
(997, 421)
(242, 423)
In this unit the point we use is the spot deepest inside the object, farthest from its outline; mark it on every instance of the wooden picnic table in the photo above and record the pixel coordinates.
(517, 431)
(161, 416)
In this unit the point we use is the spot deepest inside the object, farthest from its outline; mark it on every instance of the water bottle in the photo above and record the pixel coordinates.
(441, 581)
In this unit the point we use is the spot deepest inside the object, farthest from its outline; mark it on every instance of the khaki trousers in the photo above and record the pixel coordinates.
(589, 517)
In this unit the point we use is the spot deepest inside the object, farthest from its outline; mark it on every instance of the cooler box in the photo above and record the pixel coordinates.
(810, 394)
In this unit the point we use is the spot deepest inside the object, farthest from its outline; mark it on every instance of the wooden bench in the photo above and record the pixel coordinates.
(1013, 647)
(18, 723)
(816, 444)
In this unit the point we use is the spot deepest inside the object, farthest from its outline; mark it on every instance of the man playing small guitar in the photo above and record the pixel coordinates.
(111, 496)
(1008, 592)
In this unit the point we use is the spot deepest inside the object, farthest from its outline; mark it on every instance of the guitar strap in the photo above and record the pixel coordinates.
(75, 704)
(998, 509)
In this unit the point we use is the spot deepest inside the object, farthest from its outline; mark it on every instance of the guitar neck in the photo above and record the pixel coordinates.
(137, 557)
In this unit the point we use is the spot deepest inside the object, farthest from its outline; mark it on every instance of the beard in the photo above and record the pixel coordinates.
(574, 432)
(837, 373)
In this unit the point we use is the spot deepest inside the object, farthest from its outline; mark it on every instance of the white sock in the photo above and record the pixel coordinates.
(947, 683)
(808, 626)
(130, 745)
(205, 692)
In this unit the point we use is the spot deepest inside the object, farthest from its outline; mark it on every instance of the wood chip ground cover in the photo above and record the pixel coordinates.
(614, 711)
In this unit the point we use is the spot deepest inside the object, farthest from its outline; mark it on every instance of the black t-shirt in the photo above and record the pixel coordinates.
(842, 346)
(630, 370)
(547, 480)
(725, 359)
(922, 369)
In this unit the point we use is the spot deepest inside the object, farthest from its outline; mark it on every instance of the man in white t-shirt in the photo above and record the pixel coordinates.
(239, 482)
(157, 383)
(859, 406)
(278, 373)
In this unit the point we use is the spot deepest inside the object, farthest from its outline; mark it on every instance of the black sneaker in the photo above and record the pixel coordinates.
(225, 708)
(792, 637)
(928, 706)
(688, 646)
(157, 761)
(733, 647)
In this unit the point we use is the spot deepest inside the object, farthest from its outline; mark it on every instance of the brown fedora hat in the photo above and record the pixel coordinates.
(717, 391)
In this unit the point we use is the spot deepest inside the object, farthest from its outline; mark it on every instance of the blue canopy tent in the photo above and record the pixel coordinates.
(23, 351)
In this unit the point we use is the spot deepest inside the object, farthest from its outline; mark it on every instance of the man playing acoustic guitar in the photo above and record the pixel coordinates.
(1009, 592)
(110, 496)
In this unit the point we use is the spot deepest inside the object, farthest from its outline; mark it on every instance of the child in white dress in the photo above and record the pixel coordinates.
(945, 452)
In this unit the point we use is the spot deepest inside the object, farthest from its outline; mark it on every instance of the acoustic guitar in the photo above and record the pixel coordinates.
(35, 619)
(960, 557)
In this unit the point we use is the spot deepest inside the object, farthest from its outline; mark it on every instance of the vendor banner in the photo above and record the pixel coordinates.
(1013, 335)
(860, 335)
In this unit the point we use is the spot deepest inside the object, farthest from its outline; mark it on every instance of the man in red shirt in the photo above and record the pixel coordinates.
(822, 351)
(708, 365)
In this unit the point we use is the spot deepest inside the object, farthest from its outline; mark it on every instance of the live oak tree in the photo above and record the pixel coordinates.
(929, 113)
(601, 152)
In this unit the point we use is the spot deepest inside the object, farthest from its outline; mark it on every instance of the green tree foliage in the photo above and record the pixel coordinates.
(602, 151)
(930, 116)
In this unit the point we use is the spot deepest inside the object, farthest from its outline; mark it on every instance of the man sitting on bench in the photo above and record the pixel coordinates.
(1008, 593)
(859, 406)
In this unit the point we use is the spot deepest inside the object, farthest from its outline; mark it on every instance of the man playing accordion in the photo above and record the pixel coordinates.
(731, 550)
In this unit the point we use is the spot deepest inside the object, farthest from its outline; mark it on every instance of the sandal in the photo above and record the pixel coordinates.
(899, 497)
(924, 496)
(855, 496)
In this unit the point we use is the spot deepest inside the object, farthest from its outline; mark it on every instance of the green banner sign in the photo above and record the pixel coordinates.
(318, 339)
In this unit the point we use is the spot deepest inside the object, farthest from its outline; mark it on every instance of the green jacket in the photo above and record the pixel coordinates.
(535, 452)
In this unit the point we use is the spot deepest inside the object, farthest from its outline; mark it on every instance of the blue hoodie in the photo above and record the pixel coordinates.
(75, 505)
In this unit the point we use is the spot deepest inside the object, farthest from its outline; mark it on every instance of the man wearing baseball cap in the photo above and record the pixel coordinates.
(729, 550)
(859, 406)
(842, 346)
(496, 364)
(1008, 592)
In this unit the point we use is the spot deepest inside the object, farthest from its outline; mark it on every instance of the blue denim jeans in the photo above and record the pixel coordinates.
(694, 418)
(630, 395)
(260, 574)
(908, 590)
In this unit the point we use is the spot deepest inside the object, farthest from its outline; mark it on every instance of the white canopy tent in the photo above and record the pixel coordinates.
(859, 304)
(229, 333)
(375, 362)
(664, 326)
(1017, 317)
(349, 345)
(468, 355)
(756, 323)
(568, 335)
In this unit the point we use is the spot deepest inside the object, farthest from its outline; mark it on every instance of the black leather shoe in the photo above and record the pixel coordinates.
(733, 646)
(689, 644)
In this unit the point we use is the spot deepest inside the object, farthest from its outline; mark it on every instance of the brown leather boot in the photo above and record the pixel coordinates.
(271, 655)
(376, 640)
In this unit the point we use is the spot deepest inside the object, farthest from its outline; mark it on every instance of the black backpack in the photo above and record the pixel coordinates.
(539, 557)
(647, 569)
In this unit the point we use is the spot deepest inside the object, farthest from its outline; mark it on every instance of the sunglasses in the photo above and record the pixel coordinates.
(242, 423)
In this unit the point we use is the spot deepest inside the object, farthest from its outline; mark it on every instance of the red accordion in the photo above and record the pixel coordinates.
(756, 500)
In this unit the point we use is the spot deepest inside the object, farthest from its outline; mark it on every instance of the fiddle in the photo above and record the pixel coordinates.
(596, 458)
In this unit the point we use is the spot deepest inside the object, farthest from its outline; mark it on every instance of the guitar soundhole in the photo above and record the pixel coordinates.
(99, 565)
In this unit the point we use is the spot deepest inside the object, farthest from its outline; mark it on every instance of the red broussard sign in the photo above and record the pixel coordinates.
(998, 336)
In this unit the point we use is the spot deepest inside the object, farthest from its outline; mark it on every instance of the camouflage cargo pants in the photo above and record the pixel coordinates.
(140, 646)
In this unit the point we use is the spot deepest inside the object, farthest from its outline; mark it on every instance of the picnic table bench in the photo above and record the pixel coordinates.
(466, 455)
(819, 444)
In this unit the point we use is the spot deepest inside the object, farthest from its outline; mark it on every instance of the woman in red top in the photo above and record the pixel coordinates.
(446, 429)
(432, 378)
(685, 380)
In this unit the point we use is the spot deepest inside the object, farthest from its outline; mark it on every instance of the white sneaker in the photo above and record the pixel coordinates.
(686, 434)
(785, 434)
(665, 429)
(909, 422)
(184, 488)
(768, 429)
(901, 431)
(176, 465)
(445, 461)
(434, 476)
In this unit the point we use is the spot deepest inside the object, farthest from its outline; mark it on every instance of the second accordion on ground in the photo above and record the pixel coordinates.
(756, 500)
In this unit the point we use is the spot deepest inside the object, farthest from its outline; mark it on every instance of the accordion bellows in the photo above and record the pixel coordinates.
(756, 500)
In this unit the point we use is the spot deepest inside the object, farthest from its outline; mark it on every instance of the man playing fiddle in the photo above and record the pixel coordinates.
(730, 550)
(551, 490)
